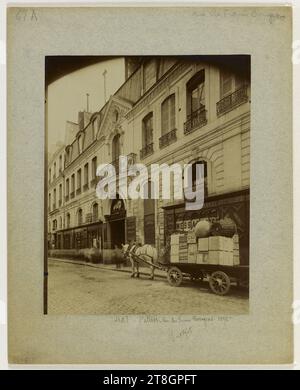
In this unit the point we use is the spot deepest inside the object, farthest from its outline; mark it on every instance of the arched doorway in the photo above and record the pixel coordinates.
(117, 222)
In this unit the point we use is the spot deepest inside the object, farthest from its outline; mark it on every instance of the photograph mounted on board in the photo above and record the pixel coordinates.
(147, 187)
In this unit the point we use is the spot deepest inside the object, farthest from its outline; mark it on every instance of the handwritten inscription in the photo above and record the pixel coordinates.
(25, 14)
(153, 319)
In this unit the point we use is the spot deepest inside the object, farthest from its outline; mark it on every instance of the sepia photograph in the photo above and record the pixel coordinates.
(147, 185)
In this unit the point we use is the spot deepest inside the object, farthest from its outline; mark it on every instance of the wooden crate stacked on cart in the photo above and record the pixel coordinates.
(219, 250)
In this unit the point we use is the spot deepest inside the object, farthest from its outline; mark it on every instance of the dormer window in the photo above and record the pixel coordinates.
(80, 143)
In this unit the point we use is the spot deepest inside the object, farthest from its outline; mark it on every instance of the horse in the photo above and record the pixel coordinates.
(146, 252)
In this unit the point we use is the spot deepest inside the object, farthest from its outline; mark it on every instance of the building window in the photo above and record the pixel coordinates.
(116, 147)
(54, 199)
(78, 190)
(116, 151)
(80, 143)
(67, 188)
(49, 202)
(168, 130)
(54, 225)
(68, 220)
(72, 186)
(94, 168)
(168, 114)
(147, 136)
(60, 195)
(60, 222)
(60, 163)
(95, 212)
(226, 83)
(94, 172)
(49, 175)
(233, 92)
(79, 217)
(195, 103)
(86, 177)
(116, 116)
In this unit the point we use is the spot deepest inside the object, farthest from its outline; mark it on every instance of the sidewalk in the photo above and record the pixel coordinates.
(112, 267)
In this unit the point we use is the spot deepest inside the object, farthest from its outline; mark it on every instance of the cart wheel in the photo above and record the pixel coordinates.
(219, 282)
(175, 276)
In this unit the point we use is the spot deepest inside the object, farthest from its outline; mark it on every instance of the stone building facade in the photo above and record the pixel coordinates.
(169, 110)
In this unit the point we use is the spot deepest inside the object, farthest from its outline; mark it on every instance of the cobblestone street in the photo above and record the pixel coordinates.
(81, 289)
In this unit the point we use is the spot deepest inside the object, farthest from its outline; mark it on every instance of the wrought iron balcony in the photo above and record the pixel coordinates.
(195, 120)
(146, 151)
(167, 139)
(232, 101)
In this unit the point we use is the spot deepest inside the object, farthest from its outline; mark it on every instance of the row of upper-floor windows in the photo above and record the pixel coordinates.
(82, 180)
(55, 170)
(233, 92)
(92, 216)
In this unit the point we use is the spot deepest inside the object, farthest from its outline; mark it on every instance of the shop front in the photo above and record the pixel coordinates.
(233, 205)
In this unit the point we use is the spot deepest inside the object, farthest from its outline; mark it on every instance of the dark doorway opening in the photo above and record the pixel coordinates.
(117, 231)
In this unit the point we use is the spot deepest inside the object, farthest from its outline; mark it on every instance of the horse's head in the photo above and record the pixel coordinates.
(125, 250)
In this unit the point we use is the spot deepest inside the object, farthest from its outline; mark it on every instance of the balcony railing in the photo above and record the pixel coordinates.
(232, 101)
(146, 151)
(167, 139)
(195, 120)
(78, 191)
(72, 194)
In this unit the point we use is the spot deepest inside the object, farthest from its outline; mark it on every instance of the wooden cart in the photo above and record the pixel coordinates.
(220, 277)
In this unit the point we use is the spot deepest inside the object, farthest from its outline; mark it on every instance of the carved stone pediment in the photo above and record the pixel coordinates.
(113, 116)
